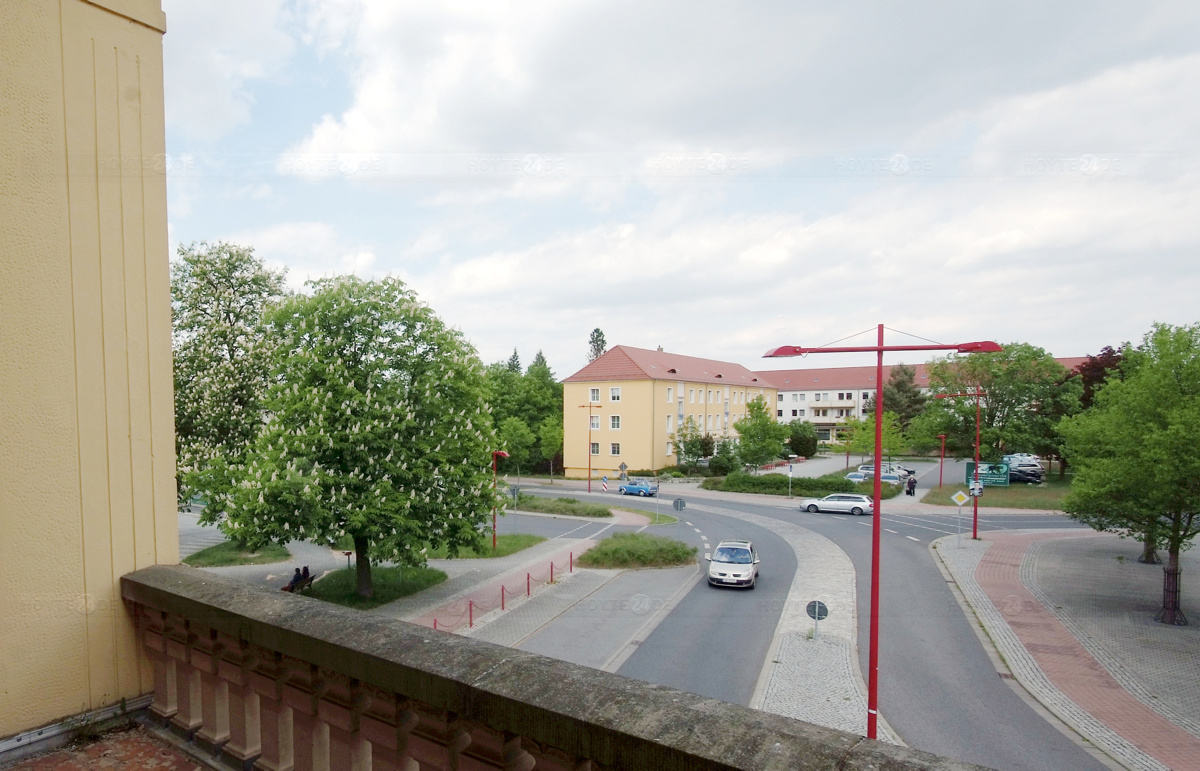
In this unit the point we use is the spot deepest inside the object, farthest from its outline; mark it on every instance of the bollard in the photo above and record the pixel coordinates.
(551, 571)
(571, 569)
(526, 584)
(435, 625)
(471, 613)
(501, 596)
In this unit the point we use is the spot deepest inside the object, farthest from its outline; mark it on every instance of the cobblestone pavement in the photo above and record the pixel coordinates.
(1074, 624)
(135, 749)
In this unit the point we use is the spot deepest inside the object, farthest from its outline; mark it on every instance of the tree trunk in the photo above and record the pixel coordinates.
(1149, 555)
(362, 567)
(1171, 612)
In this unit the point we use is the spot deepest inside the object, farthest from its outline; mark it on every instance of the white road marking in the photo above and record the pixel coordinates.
(890, 531)
(703, 538)
(909, 537)
(865, 524)
(689, 524)
(696, 529)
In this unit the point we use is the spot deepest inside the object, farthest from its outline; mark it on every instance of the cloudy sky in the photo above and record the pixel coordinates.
(714, 178)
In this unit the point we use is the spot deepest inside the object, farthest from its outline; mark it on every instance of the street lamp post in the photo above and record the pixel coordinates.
(942, 459)
(978, 392)
(879, 349)
(495, 455)
(590, 406)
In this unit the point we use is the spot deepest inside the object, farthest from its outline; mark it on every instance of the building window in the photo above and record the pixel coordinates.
(794, 413)
(595, 448)
(614, 394)
(594, 422)
(594, 396)
(670, 449)
(670, 425)
(691, 396)
(800, 395)
(823, 434)
(866, 395)
(710, 399)
(614, 422)
(801, 413)
(614, 448)
(779, 413)
(781, 397)
(816, 397)
(670, 395)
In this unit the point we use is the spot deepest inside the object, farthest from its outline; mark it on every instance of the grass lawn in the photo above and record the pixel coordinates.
(566, 506)
(637, 550)
(1044, 496)
(389, 584)
(233, 553)
(505, 545)
(663, 518)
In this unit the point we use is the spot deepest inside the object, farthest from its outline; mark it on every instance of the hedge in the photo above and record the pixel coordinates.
(777, 484)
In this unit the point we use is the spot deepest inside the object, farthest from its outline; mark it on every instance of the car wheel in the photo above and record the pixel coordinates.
(642, 493)
(753, 583)
(856, 511)
(813, 508)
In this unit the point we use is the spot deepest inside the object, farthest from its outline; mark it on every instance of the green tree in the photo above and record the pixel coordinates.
(725, 458)
(550, 439)
(514, 363)
(517, 439)
(596, 345)
(218, 295)
(901, 395)
(1136, 453)
(376, 430)
(708, 445)
(860, 435)
(1027, 393)
(760, 436)
(688, 442)
(802, 438)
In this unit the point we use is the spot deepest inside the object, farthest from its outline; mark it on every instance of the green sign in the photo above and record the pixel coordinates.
(993, 474)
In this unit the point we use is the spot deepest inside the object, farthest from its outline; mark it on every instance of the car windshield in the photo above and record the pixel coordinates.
(735, 555)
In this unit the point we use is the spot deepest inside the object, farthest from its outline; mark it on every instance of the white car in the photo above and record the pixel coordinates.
(733, 563)
(888, 468)
(857, 476)
(849, 503)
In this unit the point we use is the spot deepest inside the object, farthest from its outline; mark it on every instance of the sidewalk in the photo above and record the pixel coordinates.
(1071, 613)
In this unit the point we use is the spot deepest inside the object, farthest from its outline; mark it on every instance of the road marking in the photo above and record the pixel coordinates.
(909, 537)
(703, 538)
(696, 529)
(890, 531)
(865, 524)
(689, 524)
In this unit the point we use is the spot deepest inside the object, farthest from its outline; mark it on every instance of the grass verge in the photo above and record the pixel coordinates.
(234, 553)
(1044, 496)
(507, 544)
(389, 584)
(568, 506)
(637, 550)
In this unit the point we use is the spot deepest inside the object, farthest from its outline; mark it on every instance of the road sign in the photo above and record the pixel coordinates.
(790, 468)
(992, 474)
(678, 504)
(977, 488)
(817, 610)
(515, 492)
(604, 484)
(960, 498)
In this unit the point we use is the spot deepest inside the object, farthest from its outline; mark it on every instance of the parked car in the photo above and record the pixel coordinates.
(888, 468)
(851, 503)
(891, 479)
(733, 563)
(1024, 476)
(858, 476)
(642, 487)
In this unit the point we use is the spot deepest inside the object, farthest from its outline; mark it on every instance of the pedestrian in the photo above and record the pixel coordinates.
(912, 486)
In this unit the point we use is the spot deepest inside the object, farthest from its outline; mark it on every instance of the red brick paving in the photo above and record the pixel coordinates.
(1068, 664)
(134, 749)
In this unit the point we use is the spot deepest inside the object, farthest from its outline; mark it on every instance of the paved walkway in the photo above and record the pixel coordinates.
(1071, 612)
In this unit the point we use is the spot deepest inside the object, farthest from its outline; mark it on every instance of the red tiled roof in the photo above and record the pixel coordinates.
(623, 362)
(857, 377)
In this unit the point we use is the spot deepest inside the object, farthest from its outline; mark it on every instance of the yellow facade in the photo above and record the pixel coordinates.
(87, 462)
(649, 412)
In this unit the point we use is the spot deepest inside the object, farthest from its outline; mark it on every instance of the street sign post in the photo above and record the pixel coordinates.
(604, 483)
(817, 611)
(959, 498)
(678, 504)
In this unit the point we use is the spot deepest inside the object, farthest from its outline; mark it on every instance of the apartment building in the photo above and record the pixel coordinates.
(830, 396)
(625, 407)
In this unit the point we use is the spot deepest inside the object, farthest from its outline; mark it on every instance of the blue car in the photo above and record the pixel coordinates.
(642, 487)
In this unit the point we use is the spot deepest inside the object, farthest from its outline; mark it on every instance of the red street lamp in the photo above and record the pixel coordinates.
(496, 454)
(590, 406)
(942, 460)
(975, 498)
(985, 346)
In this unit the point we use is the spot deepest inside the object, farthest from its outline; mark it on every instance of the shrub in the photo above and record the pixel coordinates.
(637, 550)
(568, 506)
(777, 484)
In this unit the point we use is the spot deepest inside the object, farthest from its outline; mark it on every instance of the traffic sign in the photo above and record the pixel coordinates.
(817, 610)
(960, 498)
(678, 504)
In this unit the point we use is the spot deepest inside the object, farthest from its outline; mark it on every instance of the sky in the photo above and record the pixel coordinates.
(718, 179)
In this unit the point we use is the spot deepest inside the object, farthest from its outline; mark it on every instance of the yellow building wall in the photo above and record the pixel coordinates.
(644, 433)
(87, 462)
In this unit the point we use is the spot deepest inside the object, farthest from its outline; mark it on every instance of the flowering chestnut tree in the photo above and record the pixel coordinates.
(376, 429)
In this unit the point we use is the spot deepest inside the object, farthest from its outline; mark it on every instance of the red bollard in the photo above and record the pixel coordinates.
(471, 612)
(571, 569)
(501, 596)
(551, 571)
(435, 625)
(526, 584)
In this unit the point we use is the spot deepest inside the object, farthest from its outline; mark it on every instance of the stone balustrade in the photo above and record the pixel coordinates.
(277, 681)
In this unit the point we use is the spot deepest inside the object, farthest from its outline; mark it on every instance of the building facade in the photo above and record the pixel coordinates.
(87, 453)
(627, 405)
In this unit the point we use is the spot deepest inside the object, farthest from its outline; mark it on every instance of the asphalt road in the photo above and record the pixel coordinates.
(937, 687)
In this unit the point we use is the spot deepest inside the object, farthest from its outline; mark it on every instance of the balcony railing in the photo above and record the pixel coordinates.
(276, 681)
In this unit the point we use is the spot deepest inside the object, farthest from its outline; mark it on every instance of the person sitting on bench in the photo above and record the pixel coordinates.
(297, 578)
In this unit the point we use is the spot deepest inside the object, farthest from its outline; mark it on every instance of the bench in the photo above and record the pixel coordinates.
(299, 586)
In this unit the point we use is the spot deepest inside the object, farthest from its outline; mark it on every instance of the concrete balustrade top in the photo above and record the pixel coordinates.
(211, 637)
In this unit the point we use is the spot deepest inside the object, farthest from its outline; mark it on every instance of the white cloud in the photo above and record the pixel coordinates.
(308, 250)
